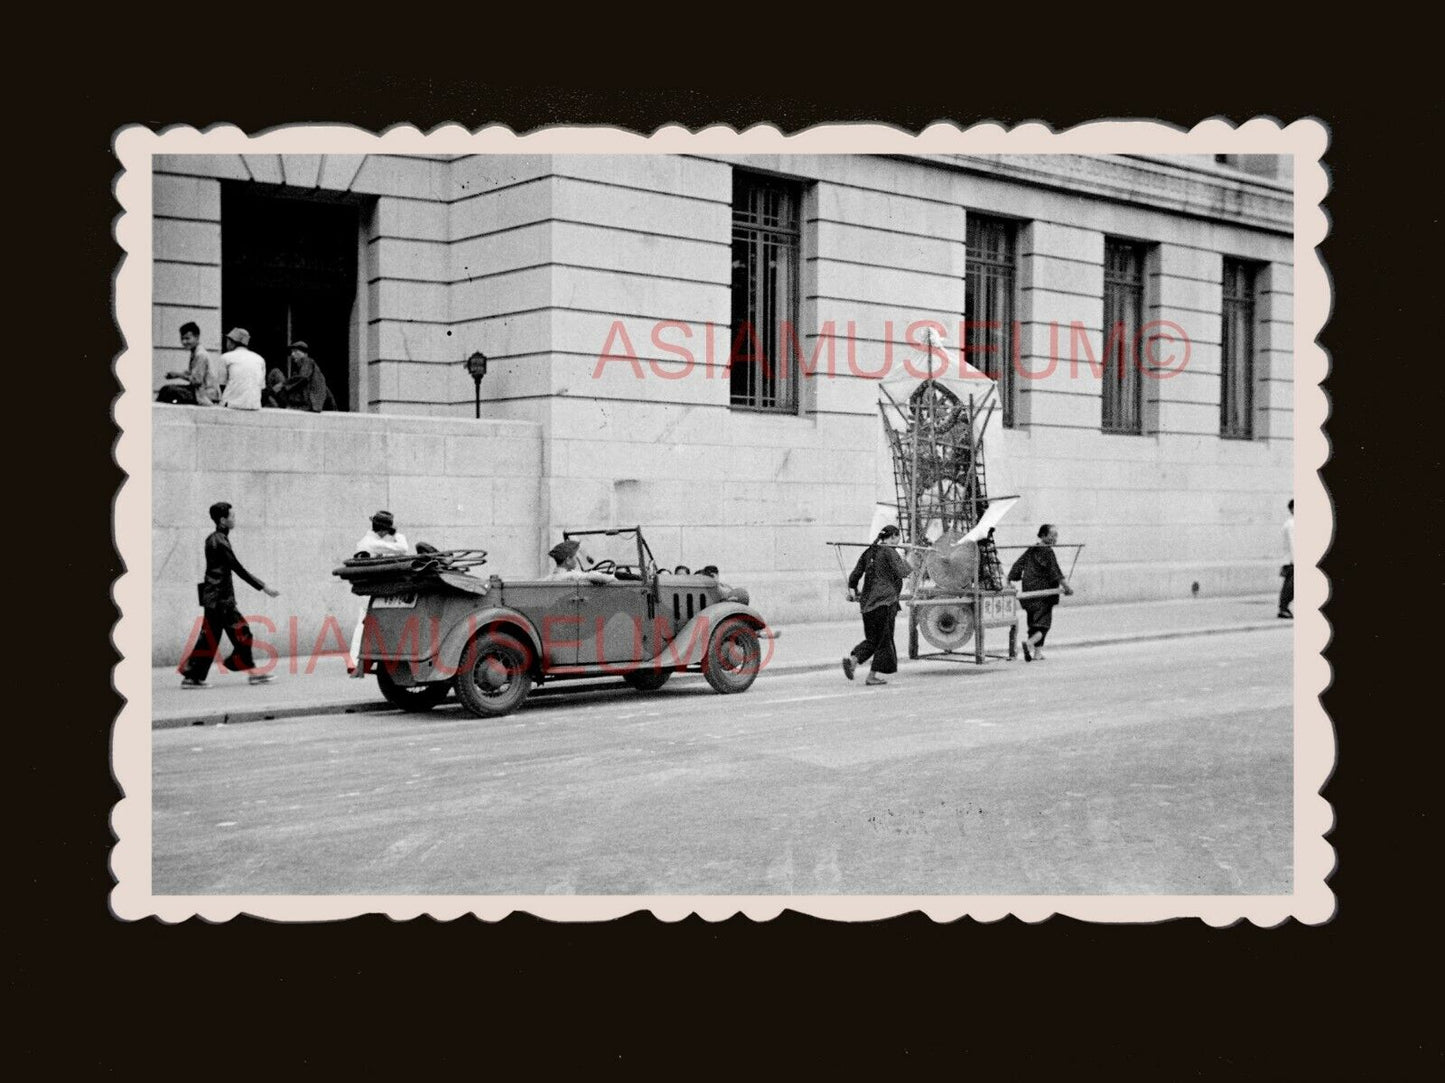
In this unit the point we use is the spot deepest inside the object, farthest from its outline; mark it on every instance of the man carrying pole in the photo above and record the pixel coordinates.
(1038, 570)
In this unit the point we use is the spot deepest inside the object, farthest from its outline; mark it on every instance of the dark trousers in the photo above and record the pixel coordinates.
(1286, 590)
(1040, 612)
(878, 640)
(228, 619)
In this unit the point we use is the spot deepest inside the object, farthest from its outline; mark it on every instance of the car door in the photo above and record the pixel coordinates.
(613, 627)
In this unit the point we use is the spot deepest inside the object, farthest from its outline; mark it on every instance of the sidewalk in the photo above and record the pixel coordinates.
(327, 689)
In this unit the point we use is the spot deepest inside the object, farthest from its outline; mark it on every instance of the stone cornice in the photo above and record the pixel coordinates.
(1235, 198)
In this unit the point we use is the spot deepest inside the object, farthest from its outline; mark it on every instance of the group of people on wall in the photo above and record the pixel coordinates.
(239, 380)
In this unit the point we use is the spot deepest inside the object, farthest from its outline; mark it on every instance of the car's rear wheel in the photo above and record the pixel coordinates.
(647, 680)
(733, 657)
(494, 678)
(411, 697)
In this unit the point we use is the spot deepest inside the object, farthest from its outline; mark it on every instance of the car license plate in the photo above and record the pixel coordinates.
(1000, 609)
(395, 601)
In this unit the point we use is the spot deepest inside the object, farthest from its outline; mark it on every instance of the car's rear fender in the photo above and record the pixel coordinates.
(495, 619)
(689, 646)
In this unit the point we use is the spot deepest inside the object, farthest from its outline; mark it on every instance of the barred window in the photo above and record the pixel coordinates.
(1236, 352)
(988, 304)
(1123, 319)
(767, 230)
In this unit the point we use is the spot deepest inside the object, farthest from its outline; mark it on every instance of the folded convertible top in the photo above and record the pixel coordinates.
(403, 574)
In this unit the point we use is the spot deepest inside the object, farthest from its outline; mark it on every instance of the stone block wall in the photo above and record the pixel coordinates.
(544, 262)
(304, 487)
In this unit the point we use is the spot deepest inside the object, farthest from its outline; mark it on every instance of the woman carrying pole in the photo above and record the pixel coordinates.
(882, 572)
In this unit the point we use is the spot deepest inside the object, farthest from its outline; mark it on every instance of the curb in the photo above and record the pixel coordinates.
(221, 716)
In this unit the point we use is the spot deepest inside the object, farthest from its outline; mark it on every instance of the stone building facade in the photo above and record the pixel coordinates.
(606, 292)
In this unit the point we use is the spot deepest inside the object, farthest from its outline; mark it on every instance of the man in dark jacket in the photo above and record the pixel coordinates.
(218, 605)
(1038, 569)
(882, 572)
(306, 390)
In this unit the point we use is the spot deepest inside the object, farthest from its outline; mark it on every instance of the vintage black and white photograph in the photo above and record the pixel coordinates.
(856, 522)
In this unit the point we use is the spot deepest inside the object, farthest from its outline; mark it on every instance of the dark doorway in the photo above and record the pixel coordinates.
(288, 272)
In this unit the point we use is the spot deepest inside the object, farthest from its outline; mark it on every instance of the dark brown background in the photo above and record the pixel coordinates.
(1064, 997)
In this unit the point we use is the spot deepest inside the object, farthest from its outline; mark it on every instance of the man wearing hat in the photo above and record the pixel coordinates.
(245, 372)
(306, 389)
(381, 540)
(566, 564)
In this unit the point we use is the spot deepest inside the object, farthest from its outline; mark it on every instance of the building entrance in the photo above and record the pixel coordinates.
(288, 273)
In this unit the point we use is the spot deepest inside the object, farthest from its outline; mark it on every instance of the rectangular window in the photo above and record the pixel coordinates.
(988, 305)
(767, 231)
(1236, 352)
(1123, 319)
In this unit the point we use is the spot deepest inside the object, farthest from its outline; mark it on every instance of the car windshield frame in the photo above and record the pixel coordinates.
(646, 562)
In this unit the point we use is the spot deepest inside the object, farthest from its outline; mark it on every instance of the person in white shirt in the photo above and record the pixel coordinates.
(245, 372)
(382, 540)
(567, 566)
(1286, 590)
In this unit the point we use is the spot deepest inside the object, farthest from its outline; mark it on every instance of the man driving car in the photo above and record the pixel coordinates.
(566, 564)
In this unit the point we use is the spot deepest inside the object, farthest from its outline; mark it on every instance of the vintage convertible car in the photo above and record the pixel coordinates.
(434, 624)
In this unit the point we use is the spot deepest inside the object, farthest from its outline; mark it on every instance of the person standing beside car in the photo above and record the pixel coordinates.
(882, 572)
(382, 540)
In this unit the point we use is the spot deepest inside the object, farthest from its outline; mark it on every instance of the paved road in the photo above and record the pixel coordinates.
(1156, 768)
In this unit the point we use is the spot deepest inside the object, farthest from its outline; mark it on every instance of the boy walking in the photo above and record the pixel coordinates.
(219, 609)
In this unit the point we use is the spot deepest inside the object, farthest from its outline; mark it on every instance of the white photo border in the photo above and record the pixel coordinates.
(1306, 140)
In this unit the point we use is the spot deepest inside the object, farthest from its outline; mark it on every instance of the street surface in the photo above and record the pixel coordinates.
(1148, 768)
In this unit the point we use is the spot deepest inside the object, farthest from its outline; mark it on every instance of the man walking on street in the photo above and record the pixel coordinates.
(218, 605)
(245, 372)
(883, 572)
(1286, 590)
(1038, 569)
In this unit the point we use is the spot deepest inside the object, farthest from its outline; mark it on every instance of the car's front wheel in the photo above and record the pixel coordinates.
(494, 678)
(733, 657)
(410, 697)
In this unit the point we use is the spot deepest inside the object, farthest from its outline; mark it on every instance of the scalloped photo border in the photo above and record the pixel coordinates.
(1306, 140)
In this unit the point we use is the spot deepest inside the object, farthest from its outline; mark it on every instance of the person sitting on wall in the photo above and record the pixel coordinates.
(566, 565)
(273, 396)
(245, 372)
(202, 385)
(306, 390)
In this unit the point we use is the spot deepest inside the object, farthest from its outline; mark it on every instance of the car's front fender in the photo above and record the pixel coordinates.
(689, 646)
